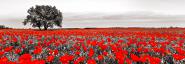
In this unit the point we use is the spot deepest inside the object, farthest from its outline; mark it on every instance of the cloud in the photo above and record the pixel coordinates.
(142, 15)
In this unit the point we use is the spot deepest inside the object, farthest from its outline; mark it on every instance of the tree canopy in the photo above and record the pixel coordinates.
(44, 16)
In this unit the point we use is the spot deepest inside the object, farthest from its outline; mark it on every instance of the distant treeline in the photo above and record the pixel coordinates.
(4, 27)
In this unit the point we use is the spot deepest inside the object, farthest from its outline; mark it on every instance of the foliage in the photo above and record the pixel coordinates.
(44, 16)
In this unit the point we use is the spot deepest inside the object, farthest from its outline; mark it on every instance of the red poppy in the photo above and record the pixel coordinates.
(55, 52)
(134, 57)
(105, 53)
(91, 61)
(4, 60)
(38, 50)
(109, 40)
(178, 57)
(2, 53)
(7, 49)
(57, 43)
(17, 51)
(121, 61)
(154, 60)
(77, 47)
(77, 53)
(23, 46)
(91, 52)
(128, 61)
(114, 48)
(180, 50)
(157, 60)
(79, 59)
(31, 42)
(100, 57)
(25, 58)
(93, 43)
(39, 43)
(38, 62)
(76, 62)
(50, 58)
(144, 58)
(120, 41)
(12, 62)
(66, 58)
(103, 47)
(84, 47)
(139, 49)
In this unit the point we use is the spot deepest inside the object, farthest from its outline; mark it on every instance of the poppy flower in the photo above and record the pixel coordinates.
(180, 51)
(154, 60)
(100, 57)
(76, 62)
(120, 57)
(121, 61)
(7, 49)
(17, 51)
(57, 43)
(139, 49)
(144, 58)
(14, 40)
(77, 53)
(11, 62)
(93, 43)
(37, 50)
(120, 41)
(105, 53)
(91, 52)
(4, 60)
(109, 40)
(50, 58)
(31, 42)
(79, 59)
(66, 58)
(103, 47)
(114, 48)
(2, 53)
(91, 61)
(84, 47)
(178, 57)
(38, 62)
(55, 52)
(25, 58)
(128, 61)
(134, 57)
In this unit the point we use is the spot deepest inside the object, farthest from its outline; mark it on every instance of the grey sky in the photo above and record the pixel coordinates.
(16, 9)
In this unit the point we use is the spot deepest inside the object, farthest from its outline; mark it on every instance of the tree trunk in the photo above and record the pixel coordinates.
(39, 28)
(39, 25)
(45, 27)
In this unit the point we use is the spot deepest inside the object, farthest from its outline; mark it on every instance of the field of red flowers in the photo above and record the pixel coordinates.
(93, 46)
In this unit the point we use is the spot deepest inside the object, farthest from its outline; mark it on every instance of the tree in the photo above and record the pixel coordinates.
(44, 16)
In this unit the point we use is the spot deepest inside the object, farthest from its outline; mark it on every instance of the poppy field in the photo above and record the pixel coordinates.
(93, 46)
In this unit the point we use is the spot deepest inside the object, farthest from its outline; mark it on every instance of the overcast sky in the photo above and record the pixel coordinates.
(18, 8)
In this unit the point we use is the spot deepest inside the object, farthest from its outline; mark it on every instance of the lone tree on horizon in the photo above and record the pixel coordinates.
(44, 16)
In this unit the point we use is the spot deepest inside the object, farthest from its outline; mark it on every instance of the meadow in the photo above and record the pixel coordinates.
(93, 46)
